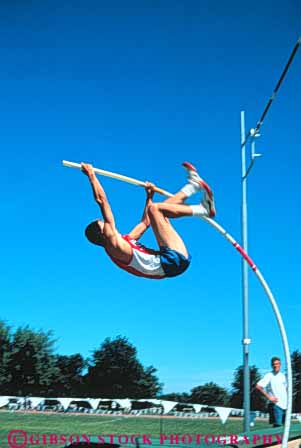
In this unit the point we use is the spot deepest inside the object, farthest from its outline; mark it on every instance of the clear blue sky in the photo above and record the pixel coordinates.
(137, 87)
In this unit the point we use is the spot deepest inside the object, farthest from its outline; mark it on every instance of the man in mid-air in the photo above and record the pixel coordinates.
(172, 257)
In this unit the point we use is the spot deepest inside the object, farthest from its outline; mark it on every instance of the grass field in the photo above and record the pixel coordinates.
(95, 425)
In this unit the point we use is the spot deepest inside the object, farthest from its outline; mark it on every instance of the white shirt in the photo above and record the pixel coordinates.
(145, 262)
(275, 384)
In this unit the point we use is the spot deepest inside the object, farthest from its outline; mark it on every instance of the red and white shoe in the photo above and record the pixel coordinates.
(208, 199)
(208, 203)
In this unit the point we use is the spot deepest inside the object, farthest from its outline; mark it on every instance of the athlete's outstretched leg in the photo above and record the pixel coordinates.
(195, 184)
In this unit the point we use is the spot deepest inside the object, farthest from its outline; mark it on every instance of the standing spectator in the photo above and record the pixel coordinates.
(274, 387)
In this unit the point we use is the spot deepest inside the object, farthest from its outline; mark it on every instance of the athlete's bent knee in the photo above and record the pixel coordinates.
(154, 210)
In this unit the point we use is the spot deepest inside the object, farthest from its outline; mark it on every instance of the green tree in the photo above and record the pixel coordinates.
(148, 385)
(116, 372)
(176, 396)
(296, 370)
(69, 381)
(257, 401)
(210, 394)
(32, 363)
(5, 354)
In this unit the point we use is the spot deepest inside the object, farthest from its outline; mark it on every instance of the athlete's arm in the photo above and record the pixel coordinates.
(144, 224)
(101, 199)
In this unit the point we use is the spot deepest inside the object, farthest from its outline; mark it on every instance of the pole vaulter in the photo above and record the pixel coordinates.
(252, 265)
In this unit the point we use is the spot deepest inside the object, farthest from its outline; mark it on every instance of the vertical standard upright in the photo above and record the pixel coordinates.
(245, 285)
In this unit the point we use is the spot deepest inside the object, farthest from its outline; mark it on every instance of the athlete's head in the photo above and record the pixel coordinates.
(276, 364)
(94, 232)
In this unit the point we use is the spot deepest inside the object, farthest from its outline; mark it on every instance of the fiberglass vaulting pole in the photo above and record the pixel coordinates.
(279, 321)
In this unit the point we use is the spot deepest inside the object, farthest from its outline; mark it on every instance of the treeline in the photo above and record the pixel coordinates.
(30, 367)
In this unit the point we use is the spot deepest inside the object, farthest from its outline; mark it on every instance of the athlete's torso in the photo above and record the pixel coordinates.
(145, 262)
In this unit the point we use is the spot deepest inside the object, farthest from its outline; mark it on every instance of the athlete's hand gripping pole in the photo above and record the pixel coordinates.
(127, 179)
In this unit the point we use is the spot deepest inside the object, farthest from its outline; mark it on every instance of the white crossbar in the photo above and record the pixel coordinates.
(127, 179)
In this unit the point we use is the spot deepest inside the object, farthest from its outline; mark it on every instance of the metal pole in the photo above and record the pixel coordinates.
(245, 285)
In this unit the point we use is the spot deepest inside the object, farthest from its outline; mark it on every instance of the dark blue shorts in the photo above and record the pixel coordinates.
(173, 263)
